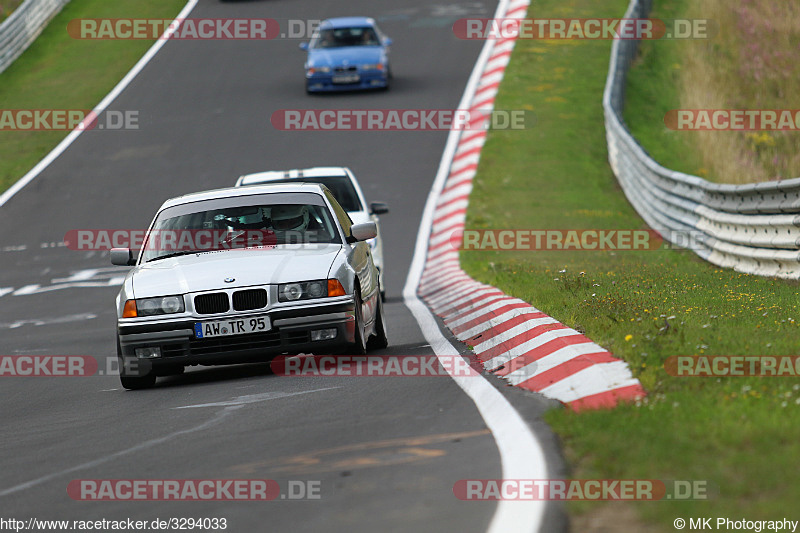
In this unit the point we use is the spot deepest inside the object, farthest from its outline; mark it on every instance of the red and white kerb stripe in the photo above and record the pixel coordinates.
(510, 337)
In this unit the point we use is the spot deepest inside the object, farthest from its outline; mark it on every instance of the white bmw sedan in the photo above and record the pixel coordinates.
(245, 274)
(344, 186)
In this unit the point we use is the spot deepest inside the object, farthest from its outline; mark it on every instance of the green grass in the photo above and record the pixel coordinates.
(750, 61)
(58, 72)
(743, 434)
(7, 7)
(653, 89)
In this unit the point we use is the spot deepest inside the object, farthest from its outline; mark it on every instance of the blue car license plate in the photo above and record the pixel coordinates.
(346, 78)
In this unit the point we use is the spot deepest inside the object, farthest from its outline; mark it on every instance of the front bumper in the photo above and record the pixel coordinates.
(367, 80)
(290, 334)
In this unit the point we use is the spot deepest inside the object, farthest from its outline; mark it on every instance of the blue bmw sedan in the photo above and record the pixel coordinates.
(345, 54)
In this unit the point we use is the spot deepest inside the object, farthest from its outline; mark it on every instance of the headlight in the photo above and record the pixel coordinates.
(372, 66)
(317, 70)
(317, 289)
(309, 290)
(291, 292)
(163, 305)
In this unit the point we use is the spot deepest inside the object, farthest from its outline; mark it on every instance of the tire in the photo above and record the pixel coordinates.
(378, 340)
(389, 78)
(133, 382)
(359, 345)
(382, 290)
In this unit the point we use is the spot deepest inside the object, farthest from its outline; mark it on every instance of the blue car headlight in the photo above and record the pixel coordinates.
(373, 66)
(317, 70)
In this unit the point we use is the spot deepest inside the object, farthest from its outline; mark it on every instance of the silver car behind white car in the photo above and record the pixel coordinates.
(345, 187)
(200, 294)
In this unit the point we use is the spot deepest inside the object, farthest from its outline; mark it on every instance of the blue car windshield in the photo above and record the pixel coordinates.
(340, 37)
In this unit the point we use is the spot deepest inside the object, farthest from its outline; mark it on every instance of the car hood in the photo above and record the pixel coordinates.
(207, 271)
(352, 55)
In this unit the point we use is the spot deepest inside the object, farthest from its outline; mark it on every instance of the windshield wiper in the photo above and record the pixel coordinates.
(173, 254)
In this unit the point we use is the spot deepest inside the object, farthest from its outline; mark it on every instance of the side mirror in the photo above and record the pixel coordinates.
(303, 46)
(123, 257)
(364, 231)
(378, 208)
(387, 42)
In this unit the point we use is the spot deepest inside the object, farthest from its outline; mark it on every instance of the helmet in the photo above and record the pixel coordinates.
(290, 217)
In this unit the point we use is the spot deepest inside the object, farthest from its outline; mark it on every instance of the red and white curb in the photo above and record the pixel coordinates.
(510, 337)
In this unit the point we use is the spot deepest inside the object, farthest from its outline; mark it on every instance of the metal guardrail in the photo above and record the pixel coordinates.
(751, 228)
(23, 26)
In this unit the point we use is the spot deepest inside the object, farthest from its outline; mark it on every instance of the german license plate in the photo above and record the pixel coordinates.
(236, 326)
(348, 78)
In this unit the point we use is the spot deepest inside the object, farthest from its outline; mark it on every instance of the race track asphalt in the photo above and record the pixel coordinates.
(385, 452)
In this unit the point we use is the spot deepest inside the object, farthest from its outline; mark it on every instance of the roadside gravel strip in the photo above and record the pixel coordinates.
(511, 338)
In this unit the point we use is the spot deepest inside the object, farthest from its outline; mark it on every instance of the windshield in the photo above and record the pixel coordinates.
(341, 187)
(339, 37)
(224, 225)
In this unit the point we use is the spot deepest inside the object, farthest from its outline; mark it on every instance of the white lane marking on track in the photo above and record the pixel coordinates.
(110, 457)
(48, 321)
(104, 103)
(91, 277)
(27, 289)
(14, 248)
(521, 453)
(254, 398)
(228, 408)
(80, 275)
(37, 289)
